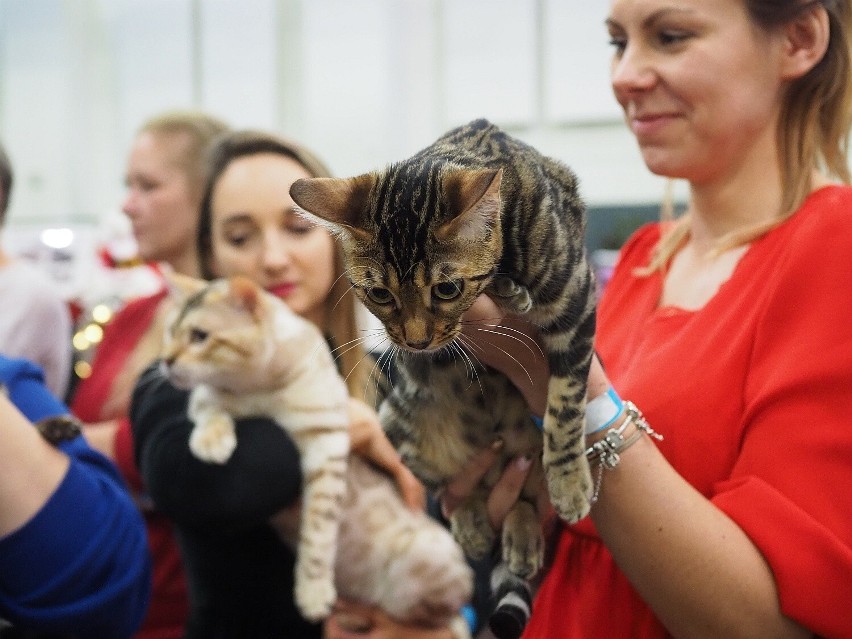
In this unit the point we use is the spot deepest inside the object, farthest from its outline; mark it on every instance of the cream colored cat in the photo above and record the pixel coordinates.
(243, 352)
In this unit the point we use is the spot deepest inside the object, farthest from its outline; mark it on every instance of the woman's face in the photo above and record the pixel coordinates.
(700, 84)
(161, 204)
(256, 232)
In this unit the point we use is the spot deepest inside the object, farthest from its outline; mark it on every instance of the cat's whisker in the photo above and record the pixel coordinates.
(479, 347)
(521, 337)
(377, 372)
(388, 362)
(457, 347)
(494, 325)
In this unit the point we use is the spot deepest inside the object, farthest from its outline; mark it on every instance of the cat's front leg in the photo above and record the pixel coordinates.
(569, 480)
(213, 438)
(510, 295)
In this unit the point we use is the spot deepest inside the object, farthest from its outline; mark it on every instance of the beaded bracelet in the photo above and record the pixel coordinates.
(607, 451)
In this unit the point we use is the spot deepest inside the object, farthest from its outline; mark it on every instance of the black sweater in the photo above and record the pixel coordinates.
(239, 574)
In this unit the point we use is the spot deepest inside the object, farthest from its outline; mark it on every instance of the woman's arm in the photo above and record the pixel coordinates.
(73, 549)
(30, 469)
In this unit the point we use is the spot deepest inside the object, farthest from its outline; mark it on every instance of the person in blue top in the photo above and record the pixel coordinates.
(73, 552)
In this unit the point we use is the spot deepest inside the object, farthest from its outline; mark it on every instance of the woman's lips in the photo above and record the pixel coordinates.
(649, 125)
(282, 290)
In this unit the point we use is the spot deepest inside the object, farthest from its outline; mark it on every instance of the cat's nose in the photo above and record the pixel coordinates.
(418, 346)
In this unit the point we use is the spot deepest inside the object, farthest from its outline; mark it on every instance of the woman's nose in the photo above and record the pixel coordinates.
(276, 253)
(130, 205)
(632, 72)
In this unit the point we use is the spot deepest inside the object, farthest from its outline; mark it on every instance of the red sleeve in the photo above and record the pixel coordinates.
(791, 488)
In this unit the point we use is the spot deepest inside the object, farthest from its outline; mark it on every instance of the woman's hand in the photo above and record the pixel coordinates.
(370, 441)
(356, 621)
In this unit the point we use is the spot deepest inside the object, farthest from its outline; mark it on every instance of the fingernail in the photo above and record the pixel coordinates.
(497, 444)
(523, 462)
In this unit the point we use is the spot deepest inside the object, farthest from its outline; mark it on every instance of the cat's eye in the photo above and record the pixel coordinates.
(196, 335)
(380, 295)
(447, 290)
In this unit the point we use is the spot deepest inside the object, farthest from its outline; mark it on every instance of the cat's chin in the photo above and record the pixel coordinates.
(175, 378)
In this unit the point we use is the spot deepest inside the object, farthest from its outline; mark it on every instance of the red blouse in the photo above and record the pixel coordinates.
(751, 393)
(168, 610)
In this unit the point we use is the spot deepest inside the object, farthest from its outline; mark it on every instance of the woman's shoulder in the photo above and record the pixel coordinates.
(819, 232)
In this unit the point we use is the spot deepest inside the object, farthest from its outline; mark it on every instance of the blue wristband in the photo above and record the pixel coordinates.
(602, 411)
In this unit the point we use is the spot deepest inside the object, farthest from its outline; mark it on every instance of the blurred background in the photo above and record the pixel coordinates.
(363, 82)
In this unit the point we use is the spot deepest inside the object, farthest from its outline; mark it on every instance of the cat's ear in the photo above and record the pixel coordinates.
(474, 196)
(245, 294)
(182, 286)
(335, 203)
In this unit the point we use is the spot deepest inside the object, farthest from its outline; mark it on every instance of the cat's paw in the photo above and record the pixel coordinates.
(315, 597)
(570, 493)
(472, 530)
(523, 541)
(215, 440)
(512, 295)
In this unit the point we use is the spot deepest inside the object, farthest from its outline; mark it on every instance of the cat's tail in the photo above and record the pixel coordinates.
(513, 597)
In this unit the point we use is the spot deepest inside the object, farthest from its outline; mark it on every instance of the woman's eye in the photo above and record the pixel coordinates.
(447, 290)
(196, 336)
(300, 227)
(668, 38)
(237, 240)
(379, 295)
(619, 44)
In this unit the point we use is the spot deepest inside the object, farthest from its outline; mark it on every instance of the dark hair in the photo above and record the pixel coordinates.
(7, 178)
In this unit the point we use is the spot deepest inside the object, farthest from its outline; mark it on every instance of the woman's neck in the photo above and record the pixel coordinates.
(186, 264)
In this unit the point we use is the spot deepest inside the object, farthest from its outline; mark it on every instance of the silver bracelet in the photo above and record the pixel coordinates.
(607, 451)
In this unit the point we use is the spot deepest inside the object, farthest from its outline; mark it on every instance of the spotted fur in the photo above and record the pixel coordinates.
(478, 211)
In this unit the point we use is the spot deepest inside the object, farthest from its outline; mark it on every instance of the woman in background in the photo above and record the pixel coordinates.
(240, 574)
(165, 179)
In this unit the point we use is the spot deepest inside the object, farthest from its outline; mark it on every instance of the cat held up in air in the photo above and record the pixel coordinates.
(476, 212)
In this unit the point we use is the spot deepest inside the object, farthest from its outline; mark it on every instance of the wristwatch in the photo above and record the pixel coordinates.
(61, 428)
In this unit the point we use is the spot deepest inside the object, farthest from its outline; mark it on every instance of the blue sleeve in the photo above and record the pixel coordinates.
(80, 565)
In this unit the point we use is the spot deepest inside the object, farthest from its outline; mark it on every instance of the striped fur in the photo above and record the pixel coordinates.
(478, 211)
(243, 353)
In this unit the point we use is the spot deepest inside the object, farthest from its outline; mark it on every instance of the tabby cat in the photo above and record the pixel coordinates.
(478, 211)
(243, 352)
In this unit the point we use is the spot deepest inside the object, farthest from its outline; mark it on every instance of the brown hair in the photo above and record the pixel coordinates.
(7, 178)
(343, 325)
(813, 130)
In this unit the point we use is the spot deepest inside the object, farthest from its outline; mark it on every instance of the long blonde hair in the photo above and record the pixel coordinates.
(813, 129)
(340, 303)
